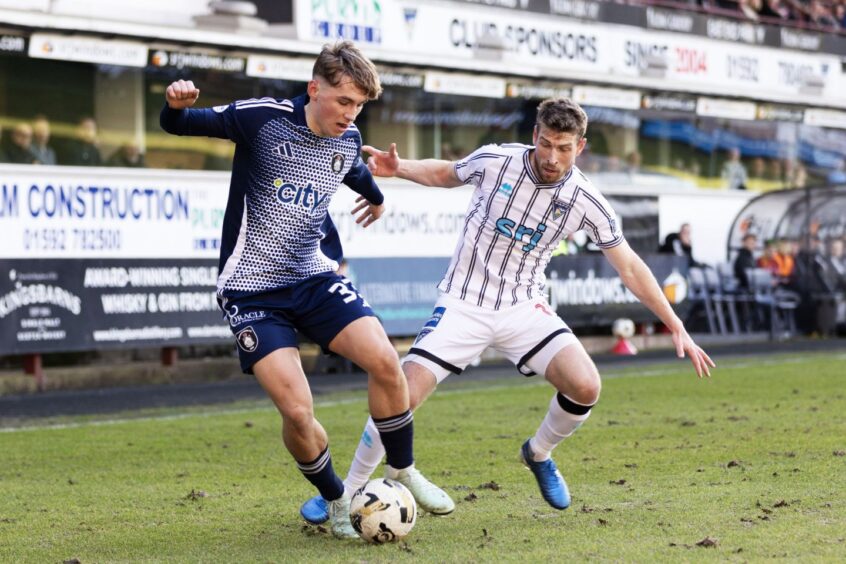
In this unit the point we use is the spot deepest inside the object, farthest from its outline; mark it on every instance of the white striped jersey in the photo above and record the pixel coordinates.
(513, 224)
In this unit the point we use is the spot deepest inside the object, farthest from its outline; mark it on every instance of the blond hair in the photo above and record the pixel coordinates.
(344, 58)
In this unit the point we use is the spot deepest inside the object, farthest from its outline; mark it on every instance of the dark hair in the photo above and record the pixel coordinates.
(562, 115)
(344, 58)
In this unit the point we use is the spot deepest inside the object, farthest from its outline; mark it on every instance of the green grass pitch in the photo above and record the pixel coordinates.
(747, 466)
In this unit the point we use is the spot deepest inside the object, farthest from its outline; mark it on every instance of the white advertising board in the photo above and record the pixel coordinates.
(525, 44)
(70, 212)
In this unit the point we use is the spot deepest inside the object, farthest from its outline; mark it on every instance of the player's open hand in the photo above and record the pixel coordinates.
(382, 163)
(369, 212)
(181, 94)
(702, 363)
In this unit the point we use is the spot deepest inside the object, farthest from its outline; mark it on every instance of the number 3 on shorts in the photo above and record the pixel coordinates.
(348, 293)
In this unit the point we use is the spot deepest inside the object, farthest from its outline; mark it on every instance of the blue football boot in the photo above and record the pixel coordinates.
(552, 485)
(315, 510)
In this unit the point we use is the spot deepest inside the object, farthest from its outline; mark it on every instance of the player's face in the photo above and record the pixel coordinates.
(332, 109)
(555, 153)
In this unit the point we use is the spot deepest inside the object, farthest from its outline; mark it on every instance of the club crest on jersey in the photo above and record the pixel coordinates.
(307, 196)
(337, 163)
(559, 208)
(247, 339)
(506, 189)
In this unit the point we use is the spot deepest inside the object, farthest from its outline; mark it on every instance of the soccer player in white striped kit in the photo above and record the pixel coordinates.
(526, 200)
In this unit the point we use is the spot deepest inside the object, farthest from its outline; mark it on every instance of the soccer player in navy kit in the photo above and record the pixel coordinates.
(279, 253)
(527, 198)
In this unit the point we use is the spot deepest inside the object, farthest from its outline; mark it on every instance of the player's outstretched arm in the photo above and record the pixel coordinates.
(429, 172)
(639, 279)
(181, 94)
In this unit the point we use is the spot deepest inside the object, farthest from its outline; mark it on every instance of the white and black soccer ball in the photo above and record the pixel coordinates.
(382, 511)
(623, 328)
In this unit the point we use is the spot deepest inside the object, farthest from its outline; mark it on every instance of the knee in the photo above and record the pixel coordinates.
(384, 365)
(299, 419)
(585, 389)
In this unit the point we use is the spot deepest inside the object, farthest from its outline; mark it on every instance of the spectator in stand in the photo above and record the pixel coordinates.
(679, 244)
(840, 14)
(734, 172)
(127, 156)
(84, 151)
(777, 9)
(838, 175)
(40, 147)
(751, 9)
(820, 14)
(768, 260)
(833, 266)
(17, 146)
(778, 259)
(633, 162)
(745, 259)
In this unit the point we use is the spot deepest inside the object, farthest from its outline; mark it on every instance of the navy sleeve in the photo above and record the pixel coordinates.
(330, 243)
(361, 181)
(206, 122)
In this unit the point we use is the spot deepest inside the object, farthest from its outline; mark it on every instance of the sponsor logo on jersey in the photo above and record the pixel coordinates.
(236, 318)
(247, 339)
(510, 229)
(505, 188)
(307, 196)
(437, 315)
(337, 163)
(559, 208)
(284, 150)
(220, 109)
(423, 332)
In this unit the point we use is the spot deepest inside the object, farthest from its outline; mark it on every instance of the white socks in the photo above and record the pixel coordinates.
(556, 426)
(368, 455)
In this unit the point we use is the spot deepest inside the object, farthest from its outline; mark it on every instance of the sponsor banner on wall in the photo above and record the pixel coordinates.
(286, 68)
(607, 97)
(88, 49)
(419, 222)
(54, 305)
(401, 290)
(203, 60)
(464, 84)
(66, 212)
(726, 109)
(585, 290)
(528, 44)
(12, 44)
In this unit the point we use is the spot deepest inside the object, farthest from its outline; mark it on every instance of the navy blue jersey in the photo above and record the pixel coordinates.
(276, 231)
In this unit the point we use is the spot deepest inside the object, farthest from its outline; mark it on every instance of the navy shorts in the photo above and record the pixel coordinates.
(318, 307)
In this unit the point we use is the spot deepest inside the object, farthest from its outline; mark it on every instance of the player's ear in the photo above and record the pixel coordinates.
(581, 146)
(535, 135)
(313, 88)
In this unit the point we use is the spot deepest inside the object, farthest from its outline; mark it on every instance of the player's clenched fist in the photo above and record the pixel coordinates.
(181, 94)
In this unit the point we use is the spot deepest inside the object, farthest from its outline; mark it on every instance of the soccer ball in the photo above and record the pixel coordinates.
(623, 328)
(383, 510)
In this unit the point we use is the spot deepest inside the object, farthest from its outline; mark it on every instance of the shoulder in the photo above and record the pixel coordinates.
(352, 134)
(496, 152)
(580, 179)
(261, 107)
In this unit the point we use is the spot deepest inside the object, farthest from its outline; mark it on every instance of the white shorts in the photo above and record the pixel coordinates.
(528, 334)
